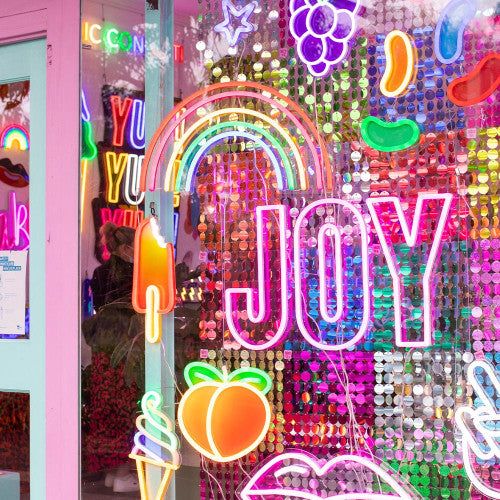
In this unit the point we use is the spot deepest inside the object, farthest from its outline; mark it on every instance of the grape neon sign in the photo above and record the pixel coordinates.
(388, 219)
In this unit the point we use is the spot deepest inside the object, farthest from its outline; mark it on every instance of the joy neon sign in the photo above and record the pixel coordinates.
(384, 211)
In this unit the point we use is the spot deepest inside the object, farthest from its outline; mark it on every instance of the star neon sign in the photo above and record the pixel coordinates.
(226, 27)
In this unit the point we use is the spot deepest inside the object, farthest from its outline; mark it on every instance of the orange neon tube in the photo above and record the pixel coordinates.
(154, 268)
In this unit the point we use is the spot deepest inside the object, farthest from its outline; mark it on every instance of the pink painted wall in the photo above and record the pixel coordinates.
(59, 22)
(62, 251)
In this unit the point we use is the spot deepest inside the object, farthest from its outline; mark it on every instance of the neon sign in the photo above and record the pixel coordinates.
(322, 32)
(175, 179)
(123, 170)
(260, 312)
(122, 217)
(411, 237)
(233, 34)
(14, 136)
(385, 228)
(479, 425)
(137, 137)
(120, 110)
(153, 291)
(224, 416)
(115, 168)
(113, 40)
(389, 136)
(14, 226)
(330, 230)
(131, 192)
(279, 477)
(120, 160)
(400, 64)
(449, 33)
(156, 446)
(128, 118)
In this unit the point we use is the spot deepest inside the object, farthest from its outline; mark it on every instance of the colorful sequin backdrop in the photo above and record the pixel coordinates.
(395, 404)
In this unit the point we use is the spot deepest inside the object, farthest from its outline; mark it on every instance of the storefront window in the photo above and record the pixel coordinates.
(112, 207)
(14, 212)
(14, 294)
(289, 246)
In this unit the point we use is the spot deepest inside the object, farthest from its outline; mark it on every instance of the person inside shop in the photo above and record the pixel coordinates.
(116, 336)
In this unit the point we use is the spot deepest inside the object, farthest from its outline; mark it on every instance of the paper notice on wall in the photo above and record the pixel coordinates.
(12, 292)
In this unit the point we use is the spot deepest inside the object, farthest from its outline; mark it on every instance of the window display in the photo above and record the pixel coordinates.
(314, 301)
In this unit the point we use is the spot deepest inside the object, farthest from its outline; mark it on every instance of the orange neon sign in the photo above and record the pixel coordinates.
(153, 291)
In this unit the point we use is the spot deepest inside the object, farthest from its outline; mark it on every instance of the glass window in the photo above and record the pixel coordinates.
(14, 209)
(14, 445)
(325, 174)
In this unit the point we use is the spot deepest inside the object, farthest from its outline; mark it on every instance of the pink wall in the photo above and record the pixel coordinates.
(59, 21)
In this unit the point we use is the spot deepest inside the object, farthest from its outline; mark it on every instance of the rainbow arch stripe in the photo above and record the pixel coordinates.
(15, 136)
(291, 162)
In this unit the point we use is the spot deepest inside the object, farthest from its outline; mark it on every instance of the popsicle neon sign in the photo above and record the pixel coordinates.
(239, 299)
(153, 291)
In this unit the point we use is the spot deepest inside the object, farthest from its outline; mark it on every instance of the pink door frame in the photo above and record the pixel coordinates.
(59, 22)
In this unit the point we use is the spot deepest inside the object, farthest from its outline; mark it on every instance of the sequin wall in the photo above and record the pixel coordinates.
(392, 402)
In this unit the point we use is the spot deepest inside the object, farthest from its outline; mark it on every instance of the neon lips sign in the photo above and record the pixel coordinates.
(388, 219)
(283, 477)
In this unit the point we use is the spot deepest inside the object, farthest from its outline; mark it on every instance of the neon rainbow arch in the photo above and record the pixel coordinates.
(15, 136)
(294, 163)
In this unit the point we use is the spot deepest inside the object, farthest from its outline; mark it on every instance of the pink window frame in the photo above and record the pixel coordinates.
(59, 22)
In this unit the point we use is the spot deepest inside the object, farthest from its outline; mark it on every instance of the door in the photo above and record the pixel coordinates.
(22, 250)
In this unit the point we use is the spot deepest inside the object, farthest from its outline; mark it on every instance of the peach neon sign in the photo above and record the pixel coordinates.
(329, 241)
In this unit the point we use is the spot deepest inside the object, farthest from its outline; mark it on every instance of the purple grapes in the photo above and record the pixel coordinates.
(322, 30)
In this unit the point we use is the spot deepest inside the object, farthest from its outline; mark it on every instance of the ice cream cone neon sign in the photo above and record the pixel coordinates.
(151, 451)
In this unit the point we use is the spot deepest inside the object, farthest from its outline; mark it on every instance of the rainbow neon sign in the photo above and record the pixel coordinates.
(15, 137)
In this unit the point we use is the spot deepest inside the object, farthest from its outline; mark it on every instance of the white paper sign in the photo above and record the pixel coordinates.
(12, 292)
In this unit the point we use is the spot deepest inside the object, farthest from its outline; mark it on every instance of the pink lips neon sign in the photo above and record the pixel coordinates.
(388, 218)
(279, 476)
